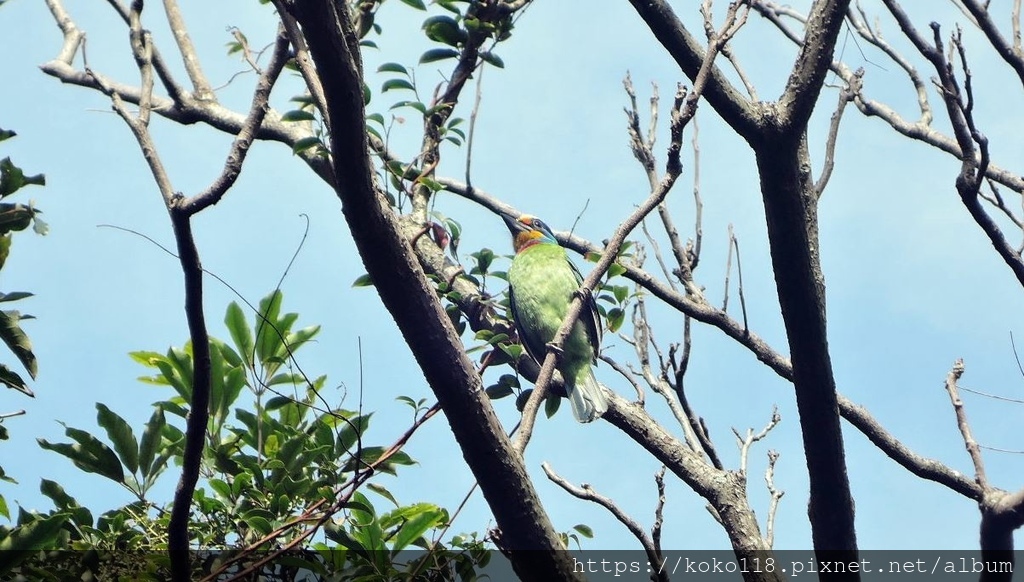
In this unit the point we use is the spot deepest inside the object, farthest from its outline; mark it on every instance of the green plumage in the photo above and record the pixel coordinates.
(542, 282)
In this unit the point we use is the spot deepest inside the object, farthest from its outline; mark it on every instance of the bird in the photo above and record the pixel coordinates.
(542, 282)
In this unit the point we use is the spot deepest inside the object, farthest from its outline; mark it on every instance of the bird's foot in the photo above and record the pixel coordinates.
(583, 293)
(553, 348)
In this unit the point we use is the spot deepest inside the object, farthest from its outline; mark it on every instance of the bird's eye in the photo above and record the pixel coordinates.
(539, 224)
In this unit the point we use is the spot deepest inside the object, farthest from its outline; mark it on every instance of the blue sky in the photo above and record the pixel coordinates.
(912, 283)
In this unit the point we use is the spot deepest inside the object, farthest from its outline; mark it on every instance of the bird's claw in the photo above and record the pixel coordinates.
(553, 348)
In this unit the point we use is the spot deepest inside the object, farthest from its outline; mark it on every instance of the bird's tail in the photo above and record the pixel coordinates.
(587, 397)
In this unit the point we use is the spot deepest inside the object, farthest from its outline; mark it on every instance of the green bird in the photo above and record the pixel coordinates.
(542, 281)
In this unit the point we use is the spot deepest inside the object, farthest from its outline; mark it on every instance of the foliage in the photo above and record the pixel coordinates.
(289, 471)
(13, 218)
(16, 217)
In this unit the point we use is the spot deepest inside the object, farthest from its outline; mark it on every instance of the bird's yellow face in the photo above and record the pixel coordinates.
(529, 230)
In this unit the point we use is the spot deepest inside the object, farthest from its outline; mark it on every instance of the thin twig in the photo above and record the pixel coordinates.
(845, 96)
(586, 492)
(746, 442)
(961, 421)
(776, 496)
(659, 511)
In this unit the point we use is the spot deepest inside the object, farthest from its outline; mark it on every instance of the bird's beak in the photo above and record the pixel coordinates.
(513, 224)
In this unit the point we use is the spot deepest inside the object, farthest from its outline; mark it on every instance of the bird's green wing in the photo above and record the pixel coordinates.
(590, 317)
(534, 346)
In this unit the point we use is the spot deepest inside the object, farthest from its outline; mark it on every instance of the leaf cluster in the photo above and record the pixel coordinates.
(270, 469)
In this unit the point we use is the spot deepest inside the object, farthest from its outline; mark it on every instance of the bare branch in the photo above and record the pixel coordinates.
(201, 85)
(304, 60)
(845, 96)
(748, 441)
(659, 381)
(963, 425)
(586, 492)
(627, 375)
(659, 510)
(1011, 53)
(246, 135)
(690, 56)
(972, 143)
(776, 497)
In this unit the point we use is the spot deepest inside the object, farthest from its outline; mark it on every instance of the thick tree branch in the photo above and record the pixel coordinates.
(724, 490)
(413, 303)
(812, 64)
(1012, 54)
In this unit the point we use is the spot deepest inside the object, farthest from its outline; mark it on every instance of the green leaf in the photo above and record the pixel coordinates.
(305, 143)
(296, 339)
(396, 84)
(513, 351)
(414, 104)
(352, 430)
(5, 247)
(6, 134)
(268, 330)
(444, 29)
(64, 502)
(438, 54)
(584, 530)
(120, 433)
(616, 317)
(14, 296)
(417, 4)
(615, 270)
(621, 292)
(12, 178)
(13, 380)
(151, 440)
(16, 339)
(36, 535)
(382, 491)
(551, 404)
(427, 518)
(392, 68)
(492, 59)
(258, 520)
(298, 115)
(523, 398)
(363, 280)
(89, 454)
(498, 391)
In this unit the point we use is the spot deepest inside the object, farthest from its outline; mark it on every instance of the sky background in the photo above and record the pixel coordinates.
(912, 282)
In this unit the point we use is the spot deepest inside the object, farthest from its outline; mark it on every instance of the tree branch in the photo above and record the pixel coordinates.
(587, 493)
(812, 64)
(414, 304)
(737, 111)
(200, 84)
(246, 134)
